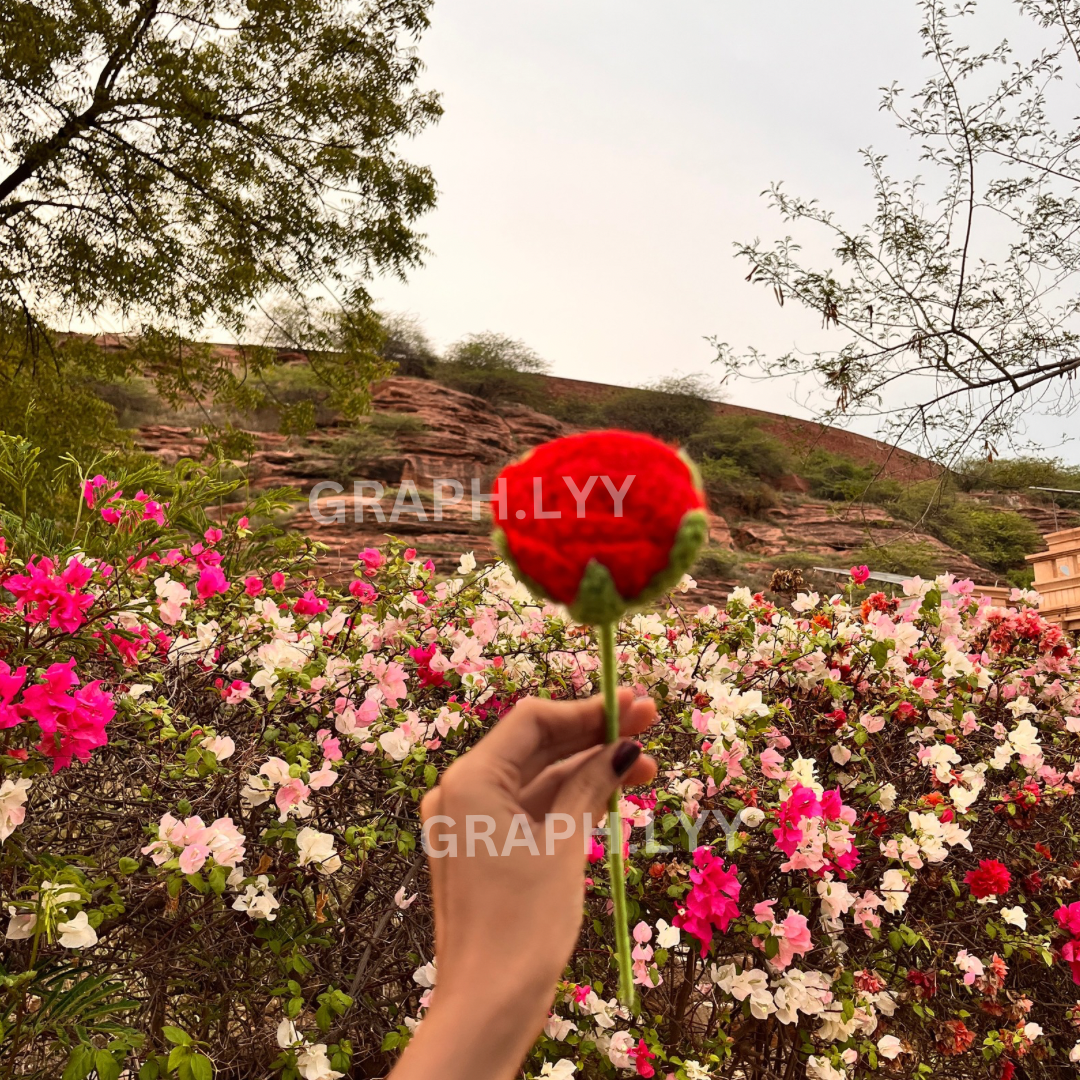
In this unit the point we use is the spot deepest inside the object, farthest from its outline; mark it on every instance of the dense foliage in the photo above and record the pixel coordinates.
(175, 167)
(211, 765)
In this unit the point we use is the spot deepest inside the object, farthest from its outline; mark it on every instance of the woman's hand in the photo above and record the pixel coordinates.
(507, 831)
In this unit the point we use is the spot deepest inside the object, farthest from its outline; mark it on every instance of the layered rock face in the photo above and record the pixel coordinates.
(446, 444)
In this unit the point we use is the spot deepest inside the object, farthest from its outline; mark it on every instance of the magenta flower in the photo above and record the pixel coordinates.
(11, 682)
(860, 574)
(372, 559)
(72, 725)
(310, 604)
(41, 594)
(1068, 918)
(364, 591)
(211, 581)
(712, 901)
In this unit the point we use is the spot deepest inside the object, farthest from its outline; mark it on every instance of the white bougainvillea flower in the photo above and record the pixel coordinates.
(77, 933)
(889, 1046)
(317, 849)
(12, 805)
(314, 1064)
(562, 1069)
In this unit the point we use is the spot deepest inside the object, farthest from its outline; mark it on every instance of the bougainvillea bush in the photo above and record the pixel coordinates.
(859, 857)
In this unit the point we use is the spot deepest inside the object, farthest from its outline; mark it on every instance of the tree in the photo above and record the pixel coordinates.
(175, 165)
(498, 368)
(958, 303)
(672, 408)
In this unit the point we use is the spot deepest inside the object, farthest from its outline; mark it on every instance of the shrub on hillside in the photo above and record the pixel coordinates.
(672, 409)
(1015, 474)
(716, 563)
(407, 347)
(995, 538)
(838, 478)
(211, 764)
(730, 486)
(493, 367)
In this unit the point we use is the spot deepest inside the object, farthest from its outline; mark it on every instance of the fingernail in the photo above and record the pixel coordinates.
(625, 755)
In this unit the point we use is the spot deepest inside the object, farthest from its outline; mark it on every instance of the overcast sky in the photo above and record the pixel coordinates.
(599, 158)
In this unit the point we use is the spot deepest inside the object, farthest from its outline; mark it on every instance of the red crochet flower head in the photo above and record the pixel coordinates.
(601, 522)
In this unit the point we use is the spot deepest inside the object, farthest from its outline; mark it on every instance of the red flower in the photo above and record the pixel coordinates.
(954, 1038)
(925, 982)
(992, 878)
(860, 574)
(600, 522)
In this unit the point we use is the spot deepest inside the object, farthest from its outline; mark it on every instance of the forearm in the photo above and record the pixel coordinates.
(484, 1037)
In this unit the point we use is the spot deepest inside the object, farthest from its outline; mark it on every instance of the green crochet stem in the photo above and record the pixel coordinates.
(608, 682)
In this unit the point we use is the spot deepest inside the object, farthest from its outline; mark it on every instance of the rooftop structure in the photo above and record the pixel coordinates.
(1057, 578)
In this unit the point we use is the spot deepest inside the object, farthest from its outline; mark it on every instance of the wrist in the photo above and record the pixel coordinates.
(482, 1033)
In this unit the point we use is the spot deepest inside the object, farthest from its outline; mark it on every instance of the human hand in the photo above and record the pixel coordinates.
(507, 915)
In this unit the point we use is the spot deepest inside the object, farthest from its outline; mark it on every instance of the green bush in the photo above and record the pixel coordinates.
(494, 367)
(715, 563)
(1016, 474)
(373, 438)
(838, 478)
(740, 440)
(729, 484)
(673, 409)
(407, 346)
(997, 539)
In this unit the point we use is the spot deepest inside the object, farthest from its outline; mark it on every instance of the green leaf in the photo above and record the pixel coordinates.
(108, 1068)
(80, 1063)
(201, 1068)
(150, 1070)
(175, 1035)
(128, 866)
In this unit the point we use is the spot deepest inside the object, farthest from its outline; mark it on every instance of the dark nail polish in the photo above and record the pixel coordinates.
(625, 755)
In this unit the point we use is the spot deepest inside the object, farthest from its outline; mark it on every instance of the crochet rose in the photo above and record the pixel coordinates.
(602, 522)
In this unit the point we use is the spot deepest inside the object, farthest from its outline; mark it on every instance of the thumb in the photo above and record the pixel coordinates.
(588, 789)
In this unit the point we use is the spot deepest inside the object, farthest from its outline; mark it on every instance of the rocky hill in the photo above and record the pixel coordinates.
(422, 431)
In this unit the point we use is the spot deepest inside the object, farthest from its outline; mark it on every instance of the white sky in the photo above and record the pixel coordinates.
(598, 159)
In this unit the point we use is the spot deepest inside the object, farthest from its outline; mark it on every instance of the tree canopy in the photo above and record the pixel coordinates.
(173, 165)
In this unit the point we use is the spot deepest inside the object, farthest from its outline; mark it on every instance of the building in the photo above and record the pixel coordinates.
(1057, 578)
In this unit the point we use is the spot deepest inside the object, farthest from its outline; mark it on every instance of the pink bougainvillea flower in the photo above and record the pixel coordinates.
(310, 604)
(11, 682)
(72, 723)
(712, 901)
(211, 582)
(364, 591)
(372, 558)
(1068, 918)
(643, 1058)
(860, 574)
(43, 595)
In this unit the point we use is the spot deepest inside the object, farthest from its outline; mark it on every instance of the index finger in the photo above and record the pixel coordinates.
(538, 732)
